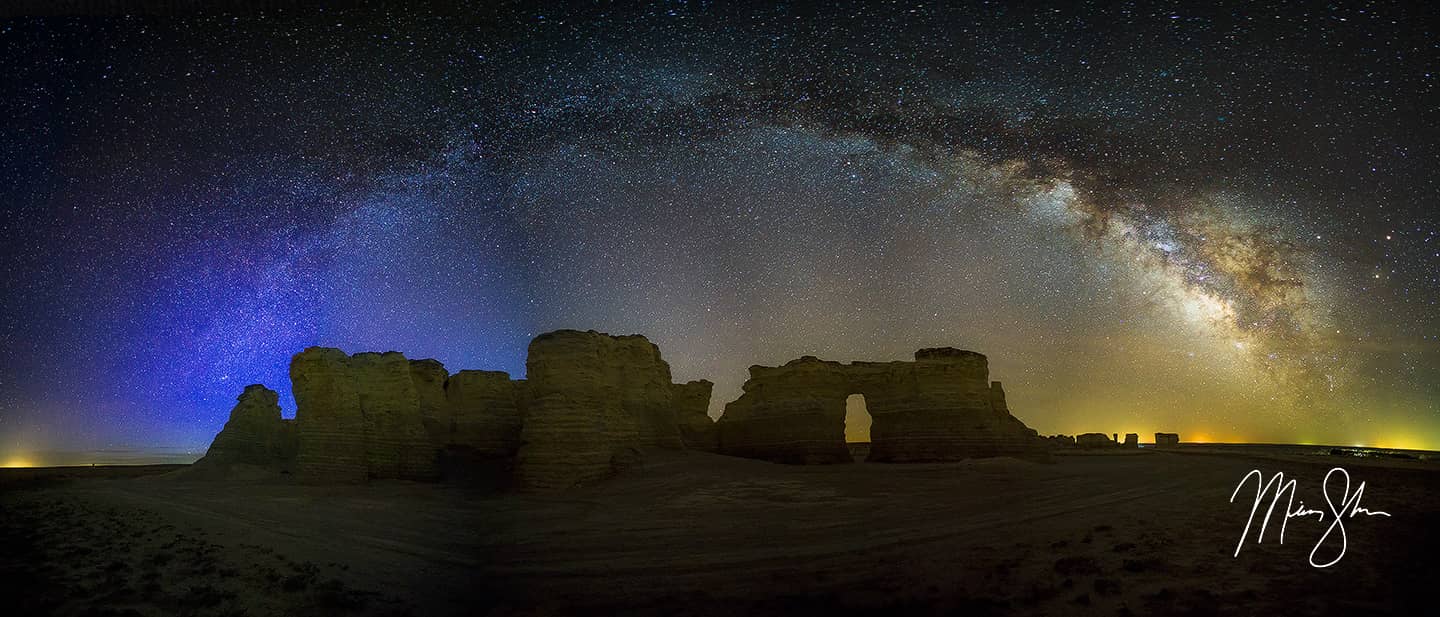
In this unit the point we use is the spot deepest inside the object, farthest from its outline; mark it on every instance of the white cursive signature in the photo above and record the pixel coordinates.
(1349, 507)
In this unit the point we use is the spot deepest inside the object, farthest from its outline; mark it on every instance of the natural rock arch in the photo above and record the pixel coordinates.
(941, 407)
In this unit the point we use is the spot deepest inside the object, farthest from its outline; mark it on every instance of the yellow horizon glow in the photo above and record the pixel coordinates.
(18, 462)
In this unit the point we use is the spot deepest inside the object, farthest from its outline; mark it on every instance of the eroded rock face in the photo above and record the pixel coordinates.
(594, 400)
(1061, 441)
(429, 378)
(1167, 439)
(255, 434)
(330, 430)
(359, 417)
(692, 413)
(395, 444)
(597, 401)
(941, 407)
(1132, 440)
(486, 411)
(793, 413)
(1093, 440)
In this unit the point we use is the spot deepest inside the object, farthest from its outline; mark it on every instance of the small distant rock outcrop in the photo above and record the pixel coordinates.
(940, 407)
(1167, 439)
(1060, 441)
(1132, 440)
(255, 434)
(1093, 440)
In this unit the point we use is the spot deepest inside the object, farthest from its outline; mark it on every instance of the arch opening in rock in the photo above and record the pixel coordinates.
(857, 427)
(940, 407)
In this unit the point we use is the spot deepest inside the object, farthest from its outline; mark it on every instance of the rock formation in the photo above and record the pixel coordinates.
(1061, 441)
(483, 414)
(692, 411)
(1093, 440)
(359, 417)
(1167, 439)
(1132, 440)
(941, 407)
(255, 434)
(594, 401)
(429, 377)
(790, 414)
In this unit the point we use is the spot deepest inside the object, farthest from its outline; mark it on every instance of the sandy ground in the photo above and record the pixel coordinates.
(692, 533)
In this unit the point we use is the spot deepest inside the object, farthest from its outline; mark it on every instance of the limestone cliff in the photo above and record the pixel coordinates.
(940, 407)
(793, 413)
(692, 412)
(429, 378)
(255, 434)
(485, 412)
(330, 430)
(943, 407)
(359, 417)
(594, 401)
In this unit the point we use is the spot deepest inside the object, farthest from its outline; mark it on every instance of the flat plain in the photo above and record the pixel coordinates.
(1147, 532)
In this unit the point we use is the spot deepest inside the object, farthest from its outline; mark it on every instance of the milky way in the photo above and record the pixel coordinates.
(1216, 222)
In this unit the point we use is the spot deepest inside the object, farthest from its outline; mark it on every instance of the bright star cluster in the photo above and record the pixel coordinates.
(1220, 221)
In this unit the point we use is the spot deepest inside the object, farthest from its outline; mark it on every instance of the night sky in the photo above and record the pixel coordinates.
(1220, 222)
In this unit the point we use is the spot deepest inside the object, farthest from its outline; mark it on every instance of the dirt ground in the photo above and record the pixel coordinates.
(693, 533)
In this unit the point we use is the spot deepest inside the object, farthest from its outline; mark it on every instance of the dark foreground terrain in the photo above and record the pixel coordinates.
(1145, 533)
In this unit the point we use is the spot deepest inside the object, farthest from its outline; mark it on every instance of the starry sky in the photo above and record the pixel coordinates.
(1220, 221)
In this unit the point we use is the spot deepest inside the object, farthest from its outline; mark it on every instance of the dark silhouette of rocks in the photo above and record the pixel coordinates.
(593, 403)
(1167, 439)
(1060, 441)
(1095, 440)
(255, 434)
(941, 407)
(692, 411)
